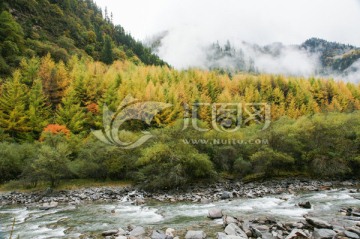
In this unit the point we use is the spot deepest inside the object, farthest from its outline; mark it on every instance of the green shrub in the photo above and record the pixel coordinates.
(242, 167)
(51, 163)
(271, 162)
(13, 159)
(164, 166)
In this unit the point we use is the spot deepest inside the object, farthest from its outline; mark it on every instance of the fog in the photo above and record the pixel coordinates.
(194, 25)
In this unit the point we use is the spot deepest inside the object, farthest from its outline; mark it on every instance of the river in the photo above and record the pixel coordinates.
(70, 221)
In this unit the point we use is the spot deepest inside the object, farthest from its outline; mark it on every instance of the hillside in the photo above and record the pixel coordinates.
(63, 28)
(334, 56)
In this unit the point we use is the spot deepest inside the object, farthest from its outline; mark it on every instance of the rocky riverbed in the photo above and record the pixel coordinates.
(273, 209)
(203, 194)
(237, 228)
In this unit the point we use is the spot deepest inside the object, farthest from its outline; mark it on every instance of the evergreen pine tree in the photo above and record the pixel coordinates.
(39, 111)
(107, 52)
(70, 113)
(13, 100)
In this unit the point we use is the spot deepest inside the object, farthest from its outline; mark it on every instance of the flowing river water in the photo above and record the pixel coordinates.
(70, 221)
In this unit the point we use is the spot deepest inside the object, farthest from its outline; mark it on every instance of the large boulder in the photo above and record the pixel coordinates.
(323, 234)
(215, 213)
(233, 230)
(137, 232)
(195, 235)
(318, 223)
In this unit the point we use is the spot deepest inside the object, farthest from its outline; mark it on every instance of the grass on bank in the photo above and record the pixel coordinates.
(71, 184)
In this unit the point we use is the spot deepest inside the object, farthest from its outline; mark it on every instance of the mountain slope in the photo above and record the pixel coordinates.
(63, 28)
(335, 56)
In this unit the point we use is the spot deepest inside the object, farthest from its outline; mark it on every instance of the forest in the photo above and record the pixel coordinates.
(48, 109)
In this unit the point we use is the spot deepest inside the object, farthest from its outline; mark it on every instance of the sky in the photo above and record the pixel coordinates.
(193, 24)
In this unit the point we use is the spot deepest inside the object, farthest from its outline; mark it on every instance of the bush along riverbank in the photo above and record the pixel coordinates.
(197, 193)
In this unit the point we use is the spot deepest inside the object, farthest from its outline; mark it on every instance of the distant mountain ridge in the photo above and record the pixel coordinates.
(334, 58)
(333, 55)
(320, 56)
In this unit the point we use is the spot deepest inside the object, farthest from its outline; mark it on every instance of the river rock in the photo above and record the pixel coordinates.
(228, 219)
(255, 232)
(353, 229)
(233, 229)
(121, 232)
(215, 213)
(121, 237)
(137, 232)
(351, 235)
(139, 201)
(158, 235)
(225, 195)
(195, 235)
(323, 234)
(356, 214)
(109, 233)
(47, 206)
(205, 201)
(232, 237)
(170, 232)
(306, 205)
(246, 228)
(262, 228)
(318, 223)
(220, 235)
(297, 234)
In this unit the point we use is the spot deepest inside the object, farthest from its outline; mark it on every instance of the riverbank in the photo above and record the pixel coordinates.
(197, 193)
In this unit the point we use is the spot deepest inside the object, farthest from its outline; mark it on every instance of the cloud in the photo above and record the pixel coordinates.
(291, 62)
(193, 25)
(353, 72)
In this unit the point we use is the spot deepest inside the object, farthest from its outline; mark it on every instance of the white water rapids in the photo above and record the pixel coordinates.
(68, 221)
